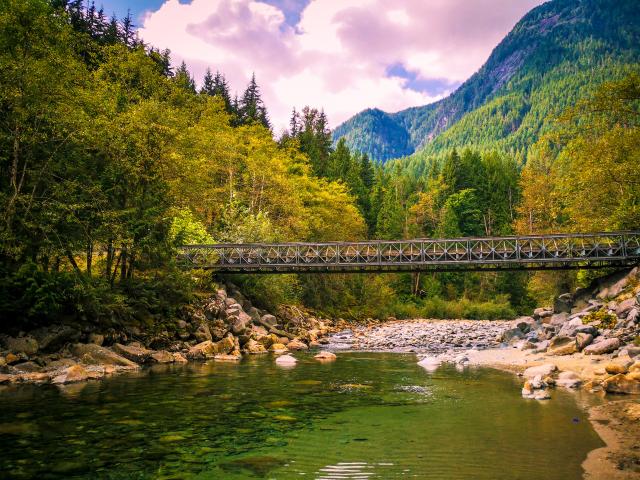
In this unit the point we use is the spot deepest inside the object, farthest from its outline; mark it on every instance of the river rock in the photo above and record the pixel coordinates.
(561, 345)
(568, 379)
(512, 333)
(563, 303)
(95, 354)
(604, 346)
(26, 345)
(226, 357)
(278, 348)
(240, 323)
(134, 352)
(269, 319)
(297, 344)
(542, 370)
(179, 358)
(543, 312)
(54, 338)
(72, 374)
(558, 319)
(11, 358)
(582, 340)
(162, 356)
(569, 328)
(325, 357)
(525, 324)
(27, 367)
(253, 347)
(286, 360)
(202, 350)
(203, 333)
(621, 383)
(96, 338)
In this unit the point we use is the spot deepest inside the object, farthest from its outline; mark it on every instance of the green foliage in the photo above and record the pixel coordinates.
(605, 319)
(437, 307)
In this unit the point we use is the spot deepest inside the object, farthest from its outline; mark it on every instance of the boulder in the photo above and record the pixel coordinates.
(278, 348)
(252, 347)
(570, 327)
(325, 357)
(604, 346)
(543, 312)
(203, 333)
(625, 307)
(619, 365)
(26, 345)
(613, 285)
(53, 339)
(72, 374)
(179, 358)
(269, 319)
(240, 323)
(226, 345)
(510, 334)
(134, 352)
(95, 354)
(621, 383)
(543, 370)
(162, 356)
(582, 340)
(202, 350)
(11, 358)
(568, 379)
(268, 340)
(296, 344)
(218, 329)
(27, 367)
(558, 319)
(562, 346)
(254, 313)
(525, 324)
(286, 361)
(96, 338)
(563, 303)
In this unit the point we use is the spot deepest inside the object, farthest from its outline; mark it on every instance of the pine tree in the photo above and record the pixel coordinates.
(128, 30)
(207, 83)
(252, 109)
(184, 79)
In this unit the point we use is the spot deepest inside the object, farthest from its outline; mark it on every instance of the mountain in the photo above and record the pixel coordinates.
(556, 54)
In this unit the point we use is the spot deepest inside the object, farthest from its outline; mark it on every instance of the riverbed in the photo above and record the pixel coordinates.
(364, 416)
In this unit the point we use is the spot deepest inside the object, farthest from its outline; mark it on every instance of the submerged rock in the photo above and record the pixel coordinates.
(135, 353)
(325, 357)
(286, 360)
(75, 373)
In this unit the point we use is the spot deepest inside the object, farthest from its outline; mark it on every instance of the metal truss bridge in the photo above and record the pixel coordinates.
(532, 252)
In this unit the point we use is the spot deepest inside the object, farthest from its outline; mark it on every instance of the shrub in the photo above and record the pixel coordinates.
(606, 320)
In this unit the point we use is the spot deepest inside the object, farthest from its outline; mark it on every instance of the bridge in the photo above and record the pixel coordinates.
(531, 252)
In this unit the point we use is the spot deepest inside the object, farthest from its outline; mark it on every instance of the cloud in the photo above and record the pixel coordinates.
(341, 55)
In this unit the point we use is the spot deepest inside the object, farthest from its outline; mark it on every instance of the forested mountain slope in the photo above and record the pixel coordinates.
(557, 53)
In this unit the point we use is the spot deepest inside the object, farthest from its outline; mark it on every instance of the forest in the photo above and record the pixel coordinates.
(111, 158)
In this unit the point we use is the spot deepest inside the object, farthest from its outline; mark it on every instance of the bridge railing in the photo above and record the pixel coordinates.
(608, 247)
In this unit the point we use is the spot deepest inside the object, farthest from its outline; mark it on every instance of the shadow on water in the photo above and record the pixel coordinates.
(363, 416)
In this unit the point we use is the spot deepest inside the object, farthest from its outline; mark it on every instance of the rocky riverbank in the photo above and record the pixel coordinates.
(221, 328)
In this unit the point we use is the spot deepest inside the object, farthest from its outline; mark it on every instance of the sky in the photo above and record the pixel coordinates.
(340, 55)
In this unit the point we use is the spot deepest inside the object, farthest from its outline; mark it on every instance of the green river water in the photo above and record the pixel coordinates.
(365, 416)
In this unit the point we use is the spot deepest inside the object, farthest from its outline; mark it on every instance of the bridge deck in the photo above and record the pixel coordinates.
(557, 251)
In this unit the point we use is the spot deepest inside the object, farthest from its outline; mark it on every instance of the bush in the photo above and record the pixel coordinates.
(606, 320)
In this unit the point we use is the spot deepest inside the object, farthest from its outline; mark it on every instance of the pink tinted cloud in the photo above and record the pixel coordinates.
(338, 55)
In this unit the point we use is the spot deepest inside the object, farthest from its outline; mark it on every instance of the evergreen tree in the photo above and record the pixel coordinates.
(184, 79)
(207, 83)
(251, 108)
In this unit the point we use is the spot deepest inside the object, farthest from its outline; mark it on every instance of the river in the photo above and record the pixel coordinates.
(364, 416)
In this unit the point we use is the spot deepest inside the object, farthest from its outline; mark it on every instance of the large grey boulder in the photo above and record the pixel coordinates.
(557, 319)
(625, 307)
(570, 328)
(604, 346)
(202, 333)
(582, 340)
(509, 335)
(544, 370)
